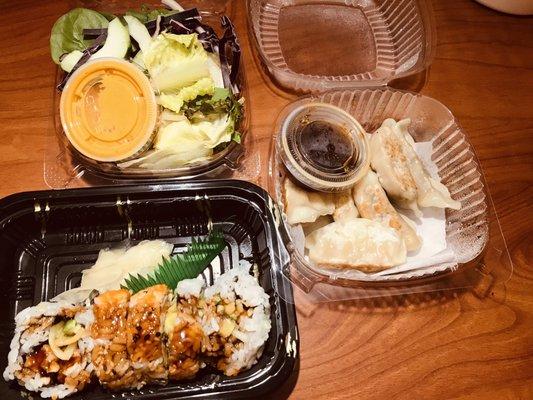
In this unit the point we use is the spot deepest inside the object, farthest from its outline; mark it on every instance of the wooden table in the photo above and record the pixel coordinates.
(463, 346)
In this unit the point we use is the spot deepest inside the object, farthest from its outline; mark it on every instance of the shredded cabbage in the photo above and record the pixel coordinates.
(193, 141)
(175, 61)
(174, 102)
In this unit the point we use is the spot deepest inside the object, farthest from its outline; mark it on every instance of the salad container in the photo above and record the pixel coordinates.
(345, 54)
(47, 238)
(65, 166)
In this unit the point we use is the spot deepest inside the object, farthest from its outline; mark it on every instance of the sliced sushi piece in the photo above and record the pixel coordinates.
(184, 337)
(112, 364)
(236, 320)
(146, 315)
(50, 351)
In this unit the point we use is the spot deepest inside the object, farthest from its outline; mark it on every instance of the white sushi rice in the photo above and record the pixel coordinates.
(209, 325)
(86, 317)
(190, 287)
(252, 331)
(86, 344)
(58, 391)
(238, 282)
(36, 382)
(13, 358)
(43, 309)
(28, 342)
(23, 343)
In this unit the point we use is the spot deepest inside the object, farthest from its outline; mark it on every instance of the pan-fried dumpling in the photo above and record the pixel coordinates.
(372, 203)
(387, 158)
(431, 192)
(320, 222)
(395, 160)
(305, 206)
(345, 208)
(357, 243)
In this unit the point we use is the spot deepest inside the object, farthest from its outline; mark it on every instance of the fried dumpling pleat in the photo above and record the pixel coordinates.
(358, 243)
(372, 203)
(431, 192)
(319, 223)
(345, 208)
(387, 158)
(394, 159)
(303, 206)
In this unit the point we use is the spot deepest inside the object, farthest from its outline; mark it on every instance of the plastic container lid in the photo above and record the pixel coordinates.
(323, 45)
(108, 110)
(323, 146)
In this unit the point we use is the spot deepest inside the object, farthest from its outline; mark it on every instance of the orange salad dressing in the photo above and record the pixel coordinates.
(108, 110)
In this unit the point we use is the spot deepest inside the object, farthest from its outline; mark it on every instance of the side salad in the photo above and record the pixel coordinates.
(193, 72)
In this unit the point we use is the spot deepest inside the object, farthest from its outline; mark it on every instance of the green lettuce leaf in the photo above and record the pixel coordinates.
(190, 142)
(174, 102)
(67, 32)
(146, 13)
(175, 61)
(221, 102)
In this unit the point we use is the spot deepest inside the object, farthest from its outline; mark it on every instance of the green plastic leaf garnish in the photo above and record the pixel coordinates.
(186, 265)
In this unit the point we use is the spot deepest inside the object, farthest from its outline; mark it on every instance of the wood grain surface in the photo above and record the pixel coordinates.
(456, 345)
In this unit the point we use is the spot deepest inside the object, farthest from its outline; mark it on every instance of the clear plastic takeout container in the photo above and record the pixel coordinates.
(318, 45)
(64, 166)
(473, 233)
(346, 53)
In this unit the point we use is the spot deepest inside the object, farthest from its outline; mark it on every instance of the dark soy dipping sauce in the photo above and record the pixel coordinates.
(327, 147)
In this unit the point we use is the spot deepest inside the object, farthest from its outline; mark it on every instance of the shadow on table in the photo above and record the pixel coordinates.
(412, 83)
(387, 299)
(285, 390)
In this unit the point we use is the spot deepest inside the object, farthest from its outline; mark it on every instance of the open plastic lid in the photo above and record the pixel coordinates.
(325, 45)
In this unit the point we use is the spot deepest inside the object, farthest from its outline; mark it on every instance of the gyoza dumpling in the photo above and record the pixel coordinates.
(431, 193)
(320, 222)
(305, 206)
(358, 243)
(387, 158)
(372, 203)
(345, 208)
(395, 160)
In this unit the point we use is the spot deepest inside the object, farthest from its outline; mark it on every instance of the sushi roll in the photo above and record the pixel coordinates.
(50, 351)
(236, 321)
(110, 357)
(126, 341)
(146, 315)
(184, 334)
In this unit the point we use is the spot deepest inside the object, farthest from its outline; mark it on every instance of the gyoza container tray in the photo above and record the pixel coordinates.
(346, 53)
(47, 238)
(473, 233)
